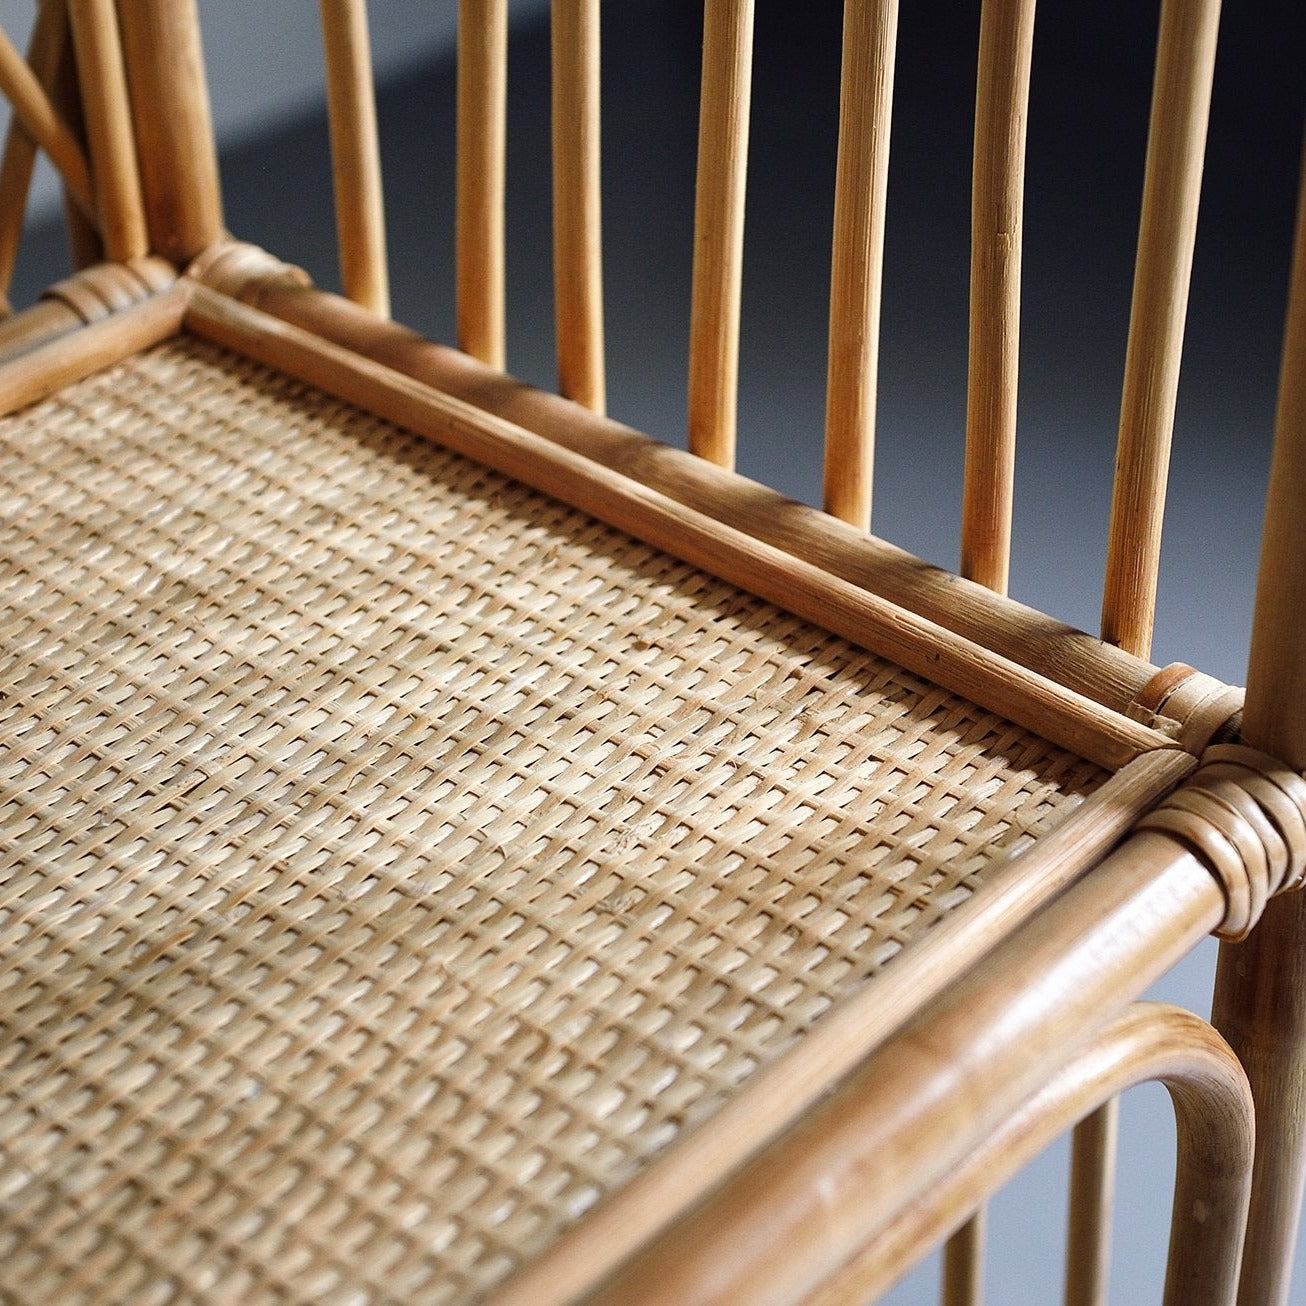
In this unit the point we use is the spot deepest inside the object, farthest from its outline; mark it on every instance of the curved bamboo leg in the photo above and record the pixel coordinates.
(1213, 1110)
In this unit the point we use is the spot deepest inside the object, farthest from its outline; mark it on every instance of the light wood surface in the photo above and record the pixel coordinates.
(1176, 144)
(119, 204)
(174, 126)
(355, 154)
(479, 205)
(719, 229)
(997, 211)
(1260, 997)
(1092, 1193)
(861, 186)
(577, 208)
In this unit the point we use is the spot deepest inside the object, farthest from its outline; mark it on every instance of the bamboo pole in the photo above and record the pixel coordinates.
(33, 108)
(44, 51)
(81, 227)
(1092, 1173)
(174, 127)
(482, 134)
(861, 181)
(355, 154)
(1181, 100)
(719, 229)
(997, 202)
(120, 207)
(1260, 993)
(577, 223)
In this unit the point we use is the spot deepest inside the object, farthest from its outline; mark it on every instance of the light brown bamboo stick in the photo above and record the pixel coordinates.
(1081, 662)
(112, 142)
(32, 107)
(1260, 995)
(1023, 696)
(81, 228)
(1181, 100)
(861, 181)
(577, 222)
(963, 1262)
(50, 366)
(174, 126)
(997, 203)
(355, 154)
(482, 134)
(1092, 1176)
(44, 50)
(719, 229)
(1149, 1042)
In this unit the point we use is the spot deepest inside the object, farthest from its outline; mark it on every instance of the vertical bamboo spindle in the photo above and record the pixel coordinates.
(577, 231)
(719, 228)
(1092, 1173)
(34, 109)
(1260, 994)
(82, 227)
(862, 173)
(997, 201)
(355, 154)
(482, 108)
(119, 206)
(963, 1263)
(44, 50)
(1181, 98)
(174, 126)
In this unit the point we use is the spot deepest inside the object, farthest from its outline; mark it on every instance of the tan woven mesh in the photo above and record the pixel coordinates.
(394, 860)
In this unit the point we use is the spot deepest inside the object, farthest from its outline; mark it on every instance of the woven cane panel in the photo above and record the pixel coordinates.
(395, 860)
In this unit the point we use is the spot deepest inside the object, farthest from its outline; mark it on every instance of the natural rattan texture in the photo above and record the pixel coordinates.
(394, 859)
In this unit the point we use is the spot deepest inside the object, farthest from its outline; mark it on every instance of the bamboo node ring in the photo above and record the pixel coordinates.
(1243, 814)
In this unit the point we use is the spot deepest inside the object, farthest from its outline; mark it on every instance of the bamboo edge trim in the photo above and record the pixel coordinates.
(921, 646)
(775, 1098)
(1081, 662)
(76, 353)
(1149, 1043)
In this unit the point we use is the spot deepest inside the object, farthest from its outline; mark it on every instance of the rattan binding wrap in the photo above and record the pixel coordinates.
(371, 909)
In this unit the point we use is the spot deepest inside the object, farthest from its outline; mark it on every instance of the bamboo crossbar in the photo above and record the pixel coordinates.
(355, 154)
(1185, 63)
(577, 222)
(860, 188)
(482, 136)
(997, 201)
(719, 229)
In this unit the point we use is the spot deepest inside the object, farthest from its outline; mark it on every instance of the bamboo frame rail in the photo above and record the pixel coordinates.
(719, 229)
(1149, 1042)
(355, 154)
(577, 220)
(120, 208)
(174, 126)
(1102, 672)
(479, 204)
(997, 201)
(861, 183)
(1181, 98)
(44, 53)
(1260, 990)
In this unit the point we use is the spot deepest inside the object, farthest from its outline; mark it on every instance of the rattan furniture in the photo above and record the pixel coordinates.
(457, 849)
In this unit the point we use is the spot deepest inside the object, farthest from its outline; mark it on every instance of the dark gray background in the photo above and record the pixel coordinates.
(1091, 84)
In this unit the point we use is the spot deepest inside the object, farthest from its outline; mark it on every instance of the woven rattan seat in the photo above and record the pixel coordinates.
(376, 910)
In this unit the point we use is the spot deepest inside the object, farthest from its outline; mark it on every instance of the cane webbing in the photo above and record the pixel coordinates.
(394, 860)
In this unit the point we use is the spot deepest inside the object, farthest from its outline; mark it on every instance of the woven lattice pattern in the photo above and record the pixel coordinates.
(395, 860)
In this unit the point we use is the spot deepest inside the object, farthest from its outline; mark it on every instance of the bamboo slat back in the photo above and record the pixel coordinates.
(355, 154)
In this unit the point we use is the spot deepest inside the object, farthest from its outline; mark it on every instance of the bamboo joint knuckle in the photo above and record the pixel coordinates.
(1243, 815)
